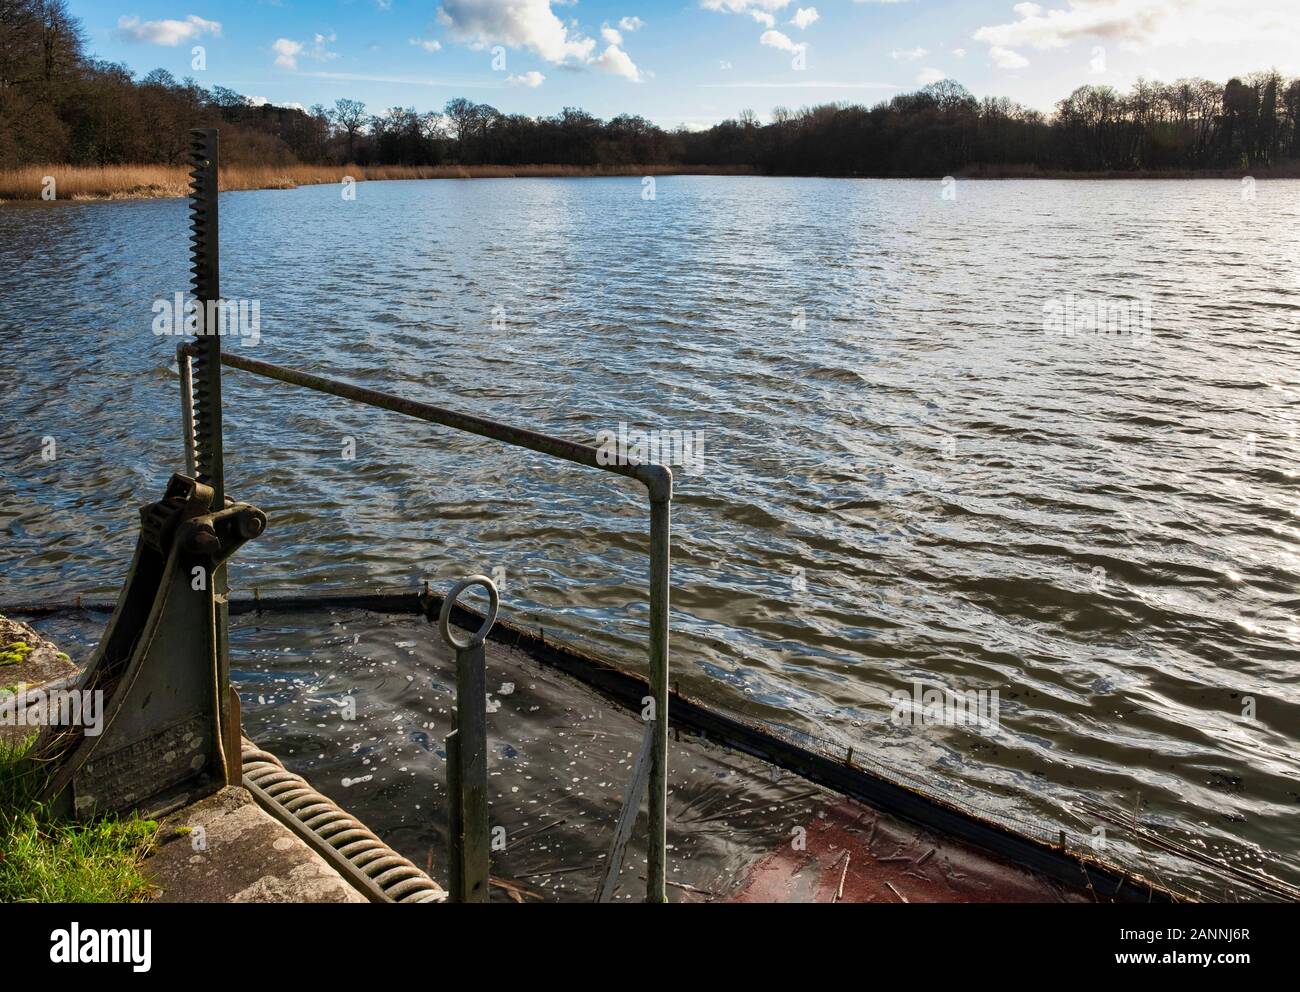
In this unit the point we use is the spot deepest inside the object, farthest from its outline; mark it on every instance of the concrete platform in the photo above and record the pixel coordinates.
(227, 849)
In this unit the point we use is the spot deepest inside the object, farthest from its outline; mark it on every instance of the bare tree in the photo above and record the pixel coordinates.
(350, 117)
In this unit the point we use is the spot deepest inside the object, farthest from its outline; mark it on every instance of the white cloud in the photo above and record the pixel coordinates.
(257, 101)
(429, 45)
(775, 39)
(319, 50)
(533, 25)
(928, 76)
(532, 79)
(908, 54)
(763, 11)
(529, 24)
(1006, 58)
(804, 16)
(631, 23)
(167, 32)
(1142, 24)
(959, 52)
(287, 52)
(616, 61)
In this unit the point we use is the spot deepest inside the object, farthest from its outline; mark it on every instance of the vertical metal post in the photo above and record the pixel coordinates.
(187, 407)
(455, 821)
(467, 769)
(471, 734)
(660, 531)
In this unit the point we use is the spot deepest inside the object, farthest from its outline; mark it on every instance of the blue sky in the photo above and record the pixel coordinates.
(691, 62)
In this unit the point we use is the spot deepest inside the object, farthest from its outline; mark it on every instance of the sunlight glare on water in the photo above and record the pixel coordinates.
(904, 476)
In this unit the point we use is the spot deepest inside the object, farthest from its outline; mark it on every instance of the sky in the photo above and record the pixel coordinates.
(683, 62)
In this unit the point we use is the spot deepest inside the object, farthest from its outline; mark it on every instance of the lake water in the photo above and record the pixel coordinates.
(904, 471)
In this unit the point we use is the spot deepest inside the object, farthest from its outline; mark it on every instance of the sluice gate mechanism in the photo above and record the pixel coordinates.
(171, 720)
(172, 728)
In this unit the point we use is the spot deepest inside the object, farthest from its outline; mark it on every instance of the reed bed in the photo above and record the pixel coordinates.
(130, 182)
(91, 182)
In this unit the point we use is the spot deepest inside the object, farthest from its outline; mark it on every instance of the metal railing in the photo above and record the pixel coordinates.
(467, 763)
(657, 479)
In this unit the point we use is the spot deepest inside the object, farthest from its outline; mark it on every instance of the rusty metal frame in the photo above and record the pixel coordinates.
(658, 481)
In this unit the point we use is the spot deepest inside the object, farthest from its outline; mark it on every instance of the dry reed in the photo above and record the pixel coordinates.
(124, 182)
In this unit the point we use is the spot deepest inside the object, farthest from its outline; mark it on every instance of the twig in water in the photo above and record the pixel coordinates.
(839, 893)
(555, 871)
(687, 888)
(516, 892)
(535, 831)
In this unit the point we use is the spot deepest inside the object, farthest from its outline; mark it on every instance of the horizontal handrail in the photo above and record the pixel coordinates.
(658, 480)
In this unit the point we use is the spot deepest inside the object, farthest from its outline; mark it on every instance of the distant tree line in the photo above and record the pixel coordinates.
(1185, 125)
(58, 105)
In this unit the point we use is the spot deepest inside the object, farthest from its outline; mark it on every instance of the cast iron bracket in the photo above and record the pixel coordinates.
(170, 731)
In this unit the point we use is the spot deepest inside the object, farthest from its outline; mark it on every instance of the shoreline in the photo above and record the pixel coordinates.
(91, 184)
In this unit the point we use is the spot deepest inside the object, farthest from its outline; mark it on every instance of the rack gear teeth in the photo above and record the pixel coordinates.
(205, 259)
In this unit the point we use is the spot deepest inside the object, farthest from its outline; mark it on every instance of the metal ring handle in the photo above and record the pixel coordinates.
(444, 616)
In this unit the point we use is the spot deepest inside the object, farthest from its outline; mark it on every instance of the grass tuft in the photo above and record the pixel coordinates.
(45, 861)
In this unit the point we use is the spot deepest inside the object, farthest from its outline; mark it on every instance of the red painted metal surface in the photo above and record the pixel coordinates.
(851, 853)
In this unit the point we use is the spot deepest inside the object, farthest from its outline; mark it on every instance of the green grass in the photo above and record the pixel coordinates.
(45, 861)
